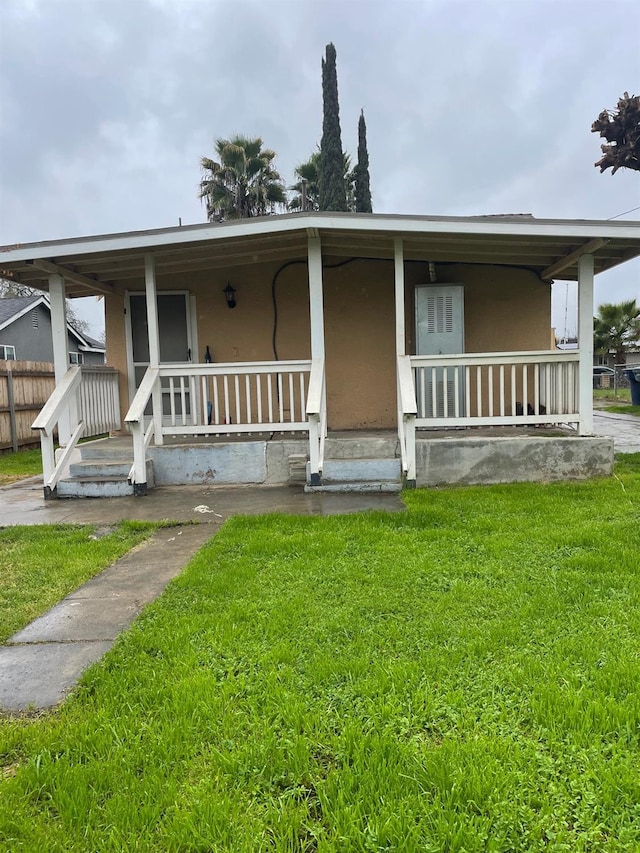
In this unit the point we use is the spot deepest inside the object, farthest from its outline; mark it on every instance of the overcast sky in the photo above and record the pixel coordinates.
(471, 107)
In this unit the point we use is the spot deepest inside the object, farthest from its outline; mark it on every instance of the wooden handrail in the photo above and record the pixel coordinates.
(406, 389)
(479, 358)
(139, 403)
(50, 413)
(316, 384)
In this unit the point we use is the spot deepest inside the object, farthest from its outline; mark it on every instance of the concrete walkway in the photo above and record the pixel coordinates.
(43, 661)
(623, 429)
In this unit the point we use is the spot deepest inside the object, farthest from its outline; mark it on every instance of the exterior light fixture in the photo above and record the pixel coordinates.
(230, 295)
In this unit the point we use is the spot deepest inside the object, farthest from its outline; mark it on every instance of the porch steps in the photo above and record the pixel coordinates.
(359, 464)
(102, 471)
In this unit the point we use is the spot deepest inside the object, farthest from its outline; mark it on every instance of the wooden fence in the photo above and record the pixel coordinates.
(25, 386)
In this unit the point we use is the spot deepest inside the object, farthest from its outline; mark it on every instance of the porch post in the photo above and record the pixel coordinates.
(585, 344)
(316, 309)
(60, 340)
(406, 417)
(154, 341)
(398, 259)
(317, 413)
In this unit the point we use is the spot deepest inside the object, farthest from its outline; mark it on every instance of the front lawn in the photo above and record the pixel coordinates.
(16, 466)
(459, 677)
(40, 565)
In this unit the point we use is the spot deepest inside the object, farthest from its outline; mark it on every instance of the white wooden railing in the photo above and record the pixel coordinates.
(407, 411)
(227, 399)
(99, 397)
(85, 403)
(487, 389)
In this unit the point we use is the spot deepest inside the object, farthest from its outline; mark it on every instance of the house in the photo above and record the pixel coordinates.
(26, 333)
(611, 360)
(356, 350)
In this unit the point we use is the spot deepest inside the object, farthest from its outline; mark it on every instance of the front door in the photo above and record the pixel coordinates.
(174, 329)
(439, 331)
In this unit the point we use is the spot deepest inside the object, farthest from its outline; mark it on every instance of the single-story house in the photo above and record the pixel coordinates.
(354, 350)
(612, 360)
(26, 333)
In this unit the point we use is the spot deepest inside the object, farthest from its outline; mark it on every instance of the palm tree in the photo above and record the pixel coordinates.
(242, 182)
(616, 328)
(310, 172)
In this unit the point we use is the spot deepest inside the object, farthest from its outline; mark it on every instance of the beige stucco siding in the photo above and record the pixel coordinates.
(505, 309)
(360, 345)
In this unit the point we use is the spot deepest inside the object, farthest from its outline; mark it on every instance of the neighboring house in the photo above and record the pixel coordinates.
(25, 333)
(364, 346)
(608, 359)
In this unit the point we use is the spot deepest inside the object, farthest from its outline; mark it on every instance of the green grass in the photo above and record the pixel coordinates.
(460, 677)
(40, 565)
(16, 466)
(624, 394)
(623, 410)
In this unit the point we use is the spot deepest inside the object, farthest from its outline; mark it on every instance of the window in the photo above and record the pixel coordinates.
(7, 352)
(75, 357)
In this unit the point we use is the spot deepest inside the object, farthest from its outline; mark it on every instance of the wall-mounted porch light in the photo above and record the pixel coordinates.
(230, 295)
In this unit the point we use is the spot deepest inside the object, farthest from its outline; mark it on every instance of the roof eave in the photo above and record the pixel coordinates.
(391, 224)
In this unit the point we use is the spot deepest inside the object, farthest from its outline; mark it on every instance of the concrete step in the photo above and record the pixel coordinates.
(107, 448)
(105, 467)
(344, 446)
(360, 470)
(385, 486)
(101, 478)
(358, 475)
(94, 487)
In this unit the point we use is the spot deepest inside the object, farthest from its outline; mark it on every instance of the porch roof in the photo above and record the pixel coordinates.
(550, 247)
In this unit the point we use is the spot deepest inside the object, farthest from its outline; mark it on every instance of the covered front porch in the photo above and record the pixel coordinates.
(365, 357)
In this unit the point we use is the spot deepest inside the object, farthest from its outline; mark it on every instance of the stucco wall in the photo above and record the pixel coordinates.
(505, 309)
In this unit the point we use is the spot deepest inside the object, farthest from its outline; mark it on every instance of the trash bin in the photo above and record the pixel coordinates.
(634, 381)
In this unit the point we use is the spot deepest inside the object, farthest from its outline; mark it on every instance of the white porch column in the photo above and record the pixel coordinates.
(585, 344)
(60, 346)
(398, 259)
(316, 307)
(317, 402)
(154, 341)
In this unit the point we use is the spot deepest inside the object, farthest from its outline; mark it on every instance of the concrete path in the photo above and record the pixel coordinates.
(42, 662)
(623, 429)
(39, 664)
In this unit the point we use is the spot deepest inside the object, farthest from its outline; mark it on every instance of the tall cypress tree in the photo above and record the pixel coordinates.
(363, 188)
(331, 178)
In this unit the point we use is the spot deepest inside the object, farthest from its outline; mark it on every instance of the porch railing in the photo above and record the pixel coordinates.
(407, 411)
(227, 399)
(85, 403)
(487, 389)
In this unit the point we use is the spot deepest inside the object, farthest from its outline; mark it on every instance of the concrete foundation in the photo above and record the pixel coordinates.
(253, 462)
(353, 461)
(468, 461)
